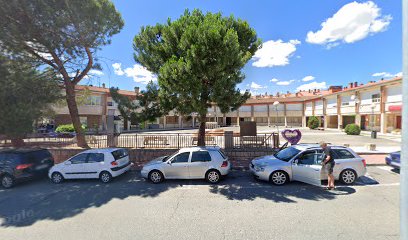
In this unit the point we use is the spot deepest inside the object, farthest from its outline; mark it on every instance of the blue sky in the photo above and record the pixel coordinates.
(315, 42)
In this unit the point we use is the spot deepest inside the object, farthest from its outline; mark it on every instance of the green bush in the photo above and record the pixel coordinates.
(67, 128)
(352, 129)
(313, 122)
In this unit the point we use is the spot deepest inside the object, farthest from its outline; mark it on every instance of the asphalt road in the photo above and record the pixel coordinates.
(238, 208)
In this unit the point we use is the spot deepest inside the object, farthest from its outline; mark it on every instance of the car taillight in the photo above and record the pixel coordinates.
(364, 162)
(224, 164)
(23, 166)
(114, 163)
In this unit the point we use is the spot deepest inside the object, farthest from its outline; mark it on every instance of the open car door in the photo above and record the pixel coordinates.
(307, 168)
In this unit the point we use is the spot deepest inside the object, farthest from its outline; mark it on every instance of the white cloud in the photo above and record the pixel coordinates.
(274, 80)
(117, 67)
(257, 86)
(274, 53)
(95, 72)
(387, 75)
(284, 83)
(312, 85)
(139, 73)
(308, 78)
(353, 22)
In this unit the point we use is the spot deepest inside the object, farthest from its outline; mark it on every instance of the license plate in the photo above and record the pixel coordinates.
(41, 167)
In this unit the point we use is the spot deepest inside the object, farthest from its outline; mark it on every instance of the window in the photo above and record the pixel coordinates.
(345, 103)
(181, 158)
(287, 154)
(201, 156)
(376, 98)
(95, 157)
(81, 158)
(93, 101)
(307, 158)
(222, 154)
(342, 154)
(110, 104)
(121, 153)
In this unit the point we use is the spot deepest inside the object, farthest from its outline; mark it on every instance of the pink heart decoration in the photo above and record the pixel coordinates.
(292, 136)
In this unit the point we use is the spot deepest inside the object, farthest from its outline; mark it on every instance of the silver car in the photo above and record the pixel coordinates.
(208, 163)
(303, 163)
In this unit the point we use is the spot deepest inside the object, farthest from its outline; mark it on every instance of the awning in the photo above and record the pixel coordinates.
(395, 108)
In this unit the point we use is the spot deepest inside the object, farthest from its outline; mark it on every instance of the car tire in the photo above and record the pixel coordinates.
(7, 181)
(105, 177)
(213, 176)
(348, 176)
(155, 176)
(57, 178)
(279, 178)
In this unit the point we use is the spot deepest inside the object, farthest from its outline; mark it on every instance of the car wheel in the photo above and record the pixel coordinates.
(279, 178)
(105, 177)
(57, 178)
(348, 176)
(213, 176)
(7, 181)
(156, 176)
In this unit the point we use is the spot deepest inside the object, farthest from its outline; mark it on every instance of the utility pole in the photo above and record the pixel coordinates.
(404, 145)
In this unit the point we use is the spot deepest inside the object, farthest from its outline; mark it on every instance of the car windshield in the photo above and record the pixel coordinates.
(170, 156)
(286, 154)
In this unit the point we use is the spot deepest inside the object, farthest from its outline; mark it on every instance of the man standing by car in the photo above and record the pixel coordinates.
(328, 165)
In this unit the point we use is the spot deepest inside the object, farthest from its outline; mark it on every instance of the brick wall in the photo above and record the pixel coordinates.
(238, 158)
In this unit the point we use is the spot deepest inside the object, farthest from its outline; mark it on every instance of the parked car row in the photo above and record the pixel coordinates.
(296, 163)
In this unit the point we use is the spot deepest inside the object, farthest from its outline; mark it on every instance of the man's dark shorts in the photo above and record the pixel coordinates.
(328, 167)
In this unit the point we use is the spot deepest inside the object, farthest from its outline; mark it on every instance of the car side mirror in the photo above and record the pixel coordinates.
(295, 161)
(169, 162)
(68, 162)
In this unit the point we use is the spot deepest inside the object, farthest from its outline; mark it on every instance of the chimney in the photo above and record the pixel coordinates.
(350, 85)
(103, 85)
(310, 91)
(277, 94)
(355, 84)
(137, 90)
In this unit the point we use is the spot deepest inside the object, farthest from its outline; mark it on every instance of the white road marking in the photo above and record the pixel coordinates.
(386, 168)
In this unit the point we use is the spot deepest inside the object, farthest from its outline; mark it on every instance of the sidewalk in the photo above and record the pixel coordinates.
(374, 159)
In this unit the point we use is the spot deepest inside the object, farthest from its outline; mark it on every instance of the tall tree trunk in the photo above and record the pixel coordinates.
(17, 142)
(201, 132)
(73, 111)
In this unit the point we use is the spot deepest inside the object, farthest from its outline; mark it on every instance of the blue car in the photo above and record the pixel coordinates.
(394, 160)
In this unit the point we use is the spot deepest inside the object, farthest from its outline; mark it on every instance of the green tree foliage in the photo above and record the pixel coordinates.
(67, 128)
(26, 95)
(352, 129)
(145, 107)
(64, 35)
(198, 60)
(313, 122)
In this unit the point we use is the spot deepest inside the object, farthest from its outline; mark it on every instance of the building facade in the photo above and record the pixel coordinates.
(375, 105)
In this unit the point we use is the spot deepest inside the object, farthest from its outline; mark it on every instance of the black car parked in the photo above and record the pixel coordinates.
(23, 164)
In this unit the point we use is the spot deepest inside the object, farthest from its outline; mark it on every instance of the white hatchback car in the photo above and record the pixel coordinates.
(302, 163)
(208, 163)
(94, 163)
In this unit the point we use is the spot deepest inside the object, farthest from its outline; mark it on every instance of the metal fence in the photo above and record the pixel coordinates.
(154, 141)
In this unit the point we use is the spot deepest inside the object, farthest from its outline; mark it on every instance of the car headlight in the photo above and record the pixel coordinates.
(259, 169)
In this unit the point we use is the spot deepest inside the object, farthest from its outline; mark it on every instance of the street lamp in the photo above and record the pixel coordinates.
(276, 103)
(373, 132)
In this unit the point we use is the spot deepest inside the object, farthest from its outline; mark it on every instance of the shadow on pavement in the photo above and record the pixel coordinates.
(27, 203)
(288, 193)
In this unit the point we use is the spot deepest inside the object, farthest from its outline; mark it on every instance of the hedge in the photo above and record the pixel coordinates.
(313, 122)
(352, 129)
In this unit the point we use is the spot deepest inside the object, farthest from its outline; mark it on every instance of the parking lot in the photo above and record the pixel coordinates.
(237, 208)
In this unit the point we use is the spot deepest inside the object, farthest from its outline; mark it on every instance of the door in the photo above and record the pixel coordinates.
(199, 163)
(75, 167)
(94, 165)
(177, 167)
(306, 168)
(398, 124)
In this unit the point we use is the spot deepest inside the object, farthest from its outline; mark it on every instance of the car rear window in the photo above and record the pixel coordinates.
(342, 154)
(222, 154)
(38, 155)
(120, 153)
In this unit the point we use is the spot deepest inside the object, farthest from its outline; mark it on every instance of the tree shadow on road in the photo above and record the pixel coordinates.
(30, 202)
(289, 193)
(41, 200)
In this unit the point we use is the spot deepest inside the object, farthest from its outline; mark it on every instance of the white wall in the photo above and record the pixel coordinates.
(394, 94)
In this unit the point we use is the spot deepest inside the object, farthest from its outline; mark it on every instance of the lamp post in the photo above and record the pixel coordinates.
(276, 103)
(373, 132)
